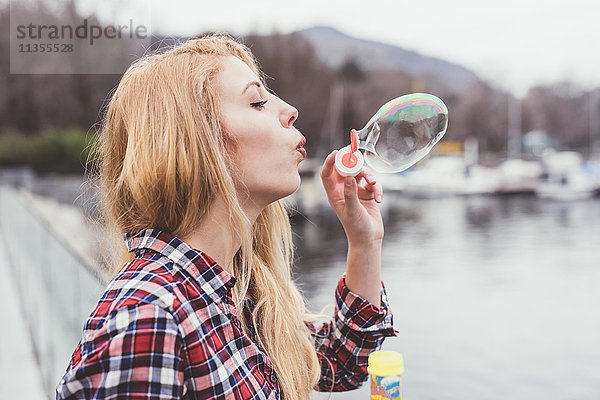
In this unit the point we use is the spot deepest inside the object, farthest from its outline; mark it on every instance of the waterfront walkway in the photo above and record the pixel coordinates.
(20, 376)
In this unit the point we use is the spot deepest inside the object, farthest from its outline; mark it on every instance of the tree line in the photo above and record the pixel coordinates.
(331, 101)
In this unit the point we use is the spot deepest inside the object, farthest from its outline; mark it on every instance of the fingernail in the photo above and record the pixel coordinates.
(378, 198)
(348, 181)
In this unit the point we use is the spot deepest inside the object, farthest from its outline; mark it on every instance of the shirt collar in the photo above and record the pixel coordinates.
(203, 268)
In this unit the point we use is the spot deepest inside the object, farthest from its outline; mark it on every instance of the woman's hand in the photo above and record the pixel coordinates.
(355, 204)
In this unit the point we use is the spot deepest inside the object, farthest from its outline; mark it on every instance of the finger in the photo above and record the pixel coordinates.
(332, 182)
(368, 185)
(358, 178)
(351, 193)
(365, 194)
(371, 192)
(367, 176)
(369, 188)
(328, 165)
(378, 192)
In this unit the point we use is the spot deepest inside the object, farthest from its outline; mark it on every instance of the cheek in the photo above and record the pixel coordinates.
(259, 144)
(258, 148)
(252, 138)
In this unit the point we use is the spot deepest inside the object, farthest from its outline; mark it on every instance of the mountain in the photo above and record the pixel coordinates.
(335, 47)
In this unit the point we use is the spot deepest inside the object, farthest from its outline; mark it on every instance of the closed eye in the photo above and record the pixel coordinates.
(259, 104)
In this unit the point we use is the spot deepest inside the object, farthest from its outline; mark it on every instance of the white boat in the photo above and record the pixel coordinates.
(519, 176)
(450, 176)
(566, 178)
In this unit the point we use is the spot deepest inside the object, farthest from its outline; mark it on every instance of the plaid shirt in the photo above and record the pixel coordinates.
(166, 328)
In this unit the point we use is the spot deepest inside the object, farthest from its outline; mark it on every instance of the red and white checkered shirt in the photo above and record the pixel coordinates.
(166, 328)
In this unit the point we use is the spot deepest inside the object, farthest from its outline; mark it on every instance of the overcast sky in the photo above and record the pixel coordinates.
(513, 43)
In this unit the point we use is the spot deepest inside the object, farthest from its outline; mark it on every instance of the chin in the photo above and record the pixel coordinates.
(289, 186)
(297, 182)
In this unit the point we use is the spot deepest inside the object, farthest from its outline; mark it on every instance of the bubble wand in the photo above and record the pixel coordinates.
(400, 133)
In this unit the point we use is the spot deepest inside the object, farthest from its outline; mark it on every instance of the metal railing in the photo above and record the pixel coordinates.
(57, 288)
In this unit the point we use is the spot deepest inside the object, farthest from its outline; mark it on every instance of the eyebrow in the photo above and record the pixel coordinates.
(256, 83)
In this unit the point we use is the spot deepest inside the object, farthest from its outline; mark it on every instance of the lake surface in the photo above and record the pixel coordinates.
(493, 297)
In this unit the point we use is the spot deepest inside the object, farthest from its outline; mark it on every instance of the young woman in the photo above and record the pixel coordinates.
(196, 155)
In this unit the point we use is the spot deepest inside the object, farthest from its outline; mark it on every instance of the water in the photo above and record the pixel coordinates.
(494, 297)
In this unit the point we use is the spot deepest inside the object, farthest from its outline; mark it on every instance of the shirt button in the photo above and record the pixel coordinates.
(273, 377)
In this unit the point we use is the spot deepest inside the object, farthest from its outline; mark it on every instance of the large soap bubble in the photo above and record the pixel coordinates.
(403, 131)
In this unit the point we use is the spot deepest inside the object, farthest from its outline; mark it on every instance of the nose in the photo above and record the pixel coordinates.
(288, 115)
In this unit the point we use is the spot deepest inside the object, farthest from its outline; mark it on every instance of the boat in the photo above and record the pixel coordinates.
(567, 177)
(450, 175)
(519, 176)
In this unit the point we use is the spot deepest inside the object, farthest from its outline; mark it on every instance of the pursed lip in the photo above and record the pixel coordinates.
(302, 151)
(300, 147)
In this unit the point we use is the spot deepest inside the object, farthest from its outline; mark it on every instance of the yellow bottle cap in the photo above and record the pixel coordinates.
(385, 363)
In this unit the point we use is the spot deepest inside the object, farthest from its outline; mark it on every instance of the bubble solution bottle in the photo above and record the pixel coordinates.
(401, 132)
(386, 369)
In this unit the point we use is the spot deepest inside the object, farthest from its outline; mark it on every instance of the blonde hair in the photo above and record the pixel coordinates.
(164, 160)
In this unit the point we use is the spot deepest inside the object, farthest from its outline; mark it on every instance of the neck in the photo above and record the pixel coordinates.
(216, 236)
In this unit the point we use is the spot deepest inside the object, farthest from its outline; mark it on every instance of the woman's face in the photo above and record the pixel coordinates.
(269, 148)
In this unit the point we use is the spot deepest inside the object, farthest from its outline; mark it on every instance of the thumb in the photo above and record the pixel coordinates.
(351, 192)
